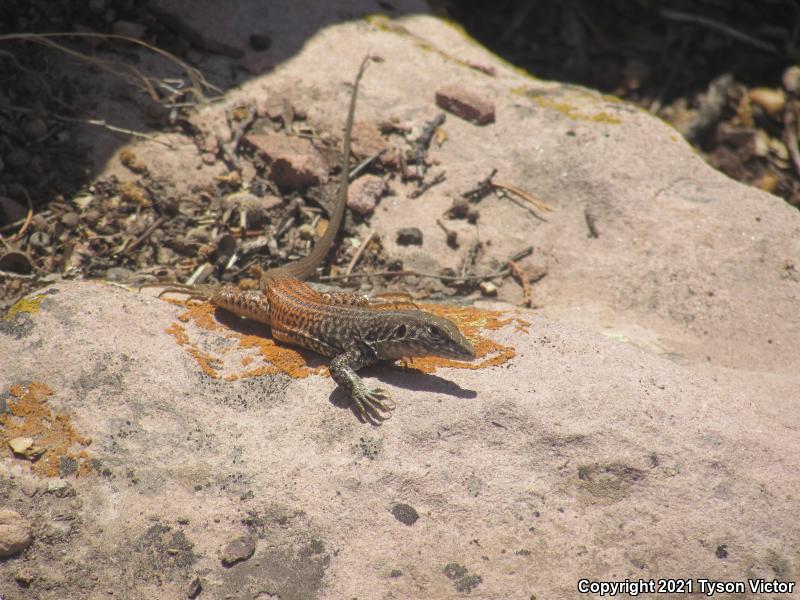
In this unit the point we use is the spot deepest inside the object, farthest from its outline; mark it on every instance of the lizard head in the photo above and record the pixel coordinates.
(418, 333)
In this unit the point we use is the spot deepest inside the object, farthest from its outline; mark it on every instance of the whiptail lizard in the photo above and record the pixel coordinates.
(343, 326)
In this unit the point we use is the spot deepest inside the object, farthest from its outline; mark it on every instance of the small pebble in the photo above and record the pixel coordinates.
(15, 533)
(488, 288)
(408, 236)
(34, 128)
(237, 550)
(70, 220)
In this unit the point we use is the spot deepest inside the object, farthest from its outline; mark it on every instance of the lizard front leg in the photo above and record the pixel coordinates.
(371, 403)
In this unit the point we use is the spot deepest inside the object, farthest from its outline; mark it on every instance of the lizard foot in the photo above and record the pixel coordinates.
(373, 404)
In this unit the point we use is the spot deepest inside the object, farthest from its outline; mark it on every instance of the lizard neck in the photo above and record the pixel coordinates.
(307, 266)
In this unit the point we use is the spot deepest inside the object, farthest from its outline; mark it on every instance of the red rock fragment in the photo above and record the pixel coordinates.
(465, 104)
(364, 193)
(293, 162)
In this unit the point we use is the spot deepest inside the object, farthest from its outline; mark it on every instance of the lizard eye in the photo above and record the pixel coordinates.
(435, 332)
(400, 332)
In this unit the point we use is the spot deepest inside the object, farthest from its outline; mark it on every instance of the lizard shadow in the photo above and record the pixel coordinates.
(400, 377)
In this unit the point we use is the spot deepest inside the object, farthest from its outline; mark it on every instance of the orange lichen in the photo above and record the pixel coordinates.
(262, 356)
(53, 434)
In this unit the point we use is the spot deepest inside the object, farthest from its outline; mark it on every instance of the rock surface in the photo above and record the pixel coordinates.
(15, 533)
(645, 427)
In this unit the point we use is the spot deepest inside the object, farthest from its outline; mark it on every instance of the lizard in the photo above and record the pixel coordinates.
(343, 326)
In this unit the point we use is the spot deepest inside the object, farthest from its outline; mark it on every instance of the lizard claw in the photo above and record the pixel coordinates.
(373, 403)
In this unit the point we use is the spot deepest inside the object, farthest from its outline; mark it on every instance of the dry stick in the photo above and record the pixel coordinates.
(440, 177)
(358, 254)
(28, 217)
(95, 122)
(719, 27)
(541, 205)
(153, 226)
(195, 76)
(229, 151)
(516, 271)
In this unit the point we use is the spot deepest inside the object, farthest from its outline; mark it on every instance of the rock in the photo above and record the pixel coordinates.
(405, 513)
(70, 220)
(24, 578)
(364, 192)
(237, 550)
(466, 104)
(488, 288)
(408, 236)
(195, 587)
(15, 533)
(34, 128)
(367, 140)
(293, 162)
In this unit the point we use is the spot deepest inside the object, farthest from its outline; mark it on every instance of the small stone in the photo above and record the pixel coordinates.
(20, 445)
(194, 588)
(407, 236)
(293, 162)
(34, 128)
(465, 104)
(11, 210)
(405, 513)
(70, 220)
(24, 578)
(129, 29)
(363, 194)
(771, 100)
(39, 240)
(791, 79)
(15, 533)
(237, 550)
(488, 288)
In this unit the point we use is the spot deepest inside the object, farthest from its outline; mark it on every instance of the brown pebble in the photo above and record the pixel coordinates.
(70, 220)
(237, 550)
(465, 104)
